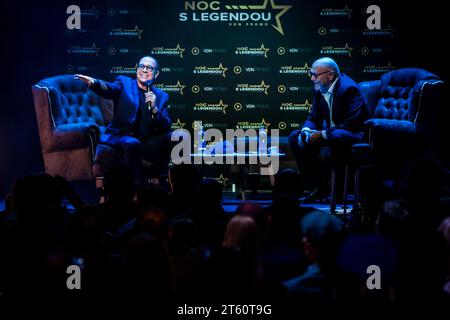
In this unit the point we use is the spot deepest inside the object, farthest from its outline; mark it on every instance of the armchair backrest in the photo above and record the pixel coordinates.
(72, 102)
(398, 94)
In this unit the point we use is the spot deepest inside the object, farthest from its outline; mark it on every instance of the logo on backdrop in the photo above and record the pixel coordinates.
(330, 12)
(379, 68)
(163, 51)
(343, 51)
(267, 14)
(123, 70)
(220, 70)
(256, 88)
(293, 106)
(128, 33)
(172, 88)
(295, 70)
(213, 107)
(88, 51)
(261, 51)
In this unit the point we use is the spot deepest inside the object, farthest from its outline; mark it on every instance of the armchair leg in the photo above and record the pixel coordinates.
(347, 173)
(333, 191)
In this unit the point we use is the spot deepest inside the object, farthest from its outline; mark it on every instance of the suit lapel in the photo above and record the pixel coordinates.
(335, 95)
(135, 91)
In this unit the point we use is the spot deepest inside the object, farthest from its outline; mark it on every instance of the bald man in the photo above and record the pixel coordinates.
(141, 126)
(335, 120)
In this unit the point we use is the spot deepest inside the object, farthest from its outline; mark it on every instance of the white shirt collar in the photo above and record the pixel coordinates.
(331, 88)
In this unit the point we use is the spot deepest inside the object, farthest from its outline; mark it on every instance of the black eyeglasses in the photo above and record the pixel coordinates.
(316, 75)
(142, 66)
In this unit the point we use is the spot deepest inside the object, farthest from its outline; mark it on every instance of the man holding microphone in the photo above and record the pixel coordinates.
(141, 127)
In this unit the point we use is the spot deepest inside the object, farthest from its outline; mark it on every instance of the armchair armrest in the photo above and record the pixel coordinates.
(73, 136)
(390, 131)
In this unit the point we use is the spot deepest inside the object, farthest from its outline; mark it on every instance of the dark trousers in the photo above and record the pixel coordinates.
(131, 150)
(315, 161)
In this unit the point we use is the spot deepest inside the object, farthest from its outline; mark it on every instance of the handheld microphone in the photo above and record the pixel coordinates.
(149, 85)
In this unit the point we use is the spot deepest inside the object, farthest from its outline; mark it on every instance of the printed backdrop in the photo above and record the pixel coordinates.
(231, 63)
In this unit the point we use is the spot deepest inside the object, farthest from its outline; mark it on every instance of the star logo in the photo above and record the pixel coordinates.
(349, 49)
(265, 124)
(178, 124)
(265, 86)
(283, 9)
(222, 179)
(305, 67)
(307, 104)
(138, 31)
(180, 87)
(223, 106)
(222, 69)
(264, 49)
(94, 47)
(180, 50)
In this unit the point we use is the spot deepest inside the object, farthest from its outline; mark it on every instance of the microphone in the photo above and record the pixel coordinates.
(149, 85)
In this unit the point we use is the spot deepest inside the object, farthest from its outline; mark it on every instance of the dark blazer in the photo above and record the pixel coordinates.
(124, 91)
(349, 109)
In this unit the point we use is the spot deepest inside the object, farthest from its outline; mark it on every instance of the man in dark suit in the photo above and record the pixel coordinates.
(140, 128)
(335, 120)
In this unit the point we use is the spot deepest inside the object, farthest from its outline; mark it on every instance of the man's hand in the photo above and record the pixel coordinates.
(86, 79)
(304, 136)
(315, 136)
(151, 97)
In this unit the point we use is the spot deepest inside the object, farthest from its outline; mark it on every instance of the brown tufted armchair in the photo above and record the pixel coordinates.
(70, 120)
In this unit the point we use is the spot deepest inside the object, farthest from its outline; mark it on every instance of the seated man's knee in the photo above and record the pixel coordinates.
(132, 146)
(293, 138)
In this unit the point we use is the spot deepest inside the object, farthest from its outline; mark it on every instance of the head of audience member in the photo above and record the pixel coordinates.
(288, 181)
(181, 236)
(119, 185)
(152, 220)
(257, 213)
(208, 195)
(444, 230)
(323, 73)
(154, 196)
(183, 180)
(38, 201)
(243, 234)
(147, 266)
(323, 234)
(285, 215)
(393, 219)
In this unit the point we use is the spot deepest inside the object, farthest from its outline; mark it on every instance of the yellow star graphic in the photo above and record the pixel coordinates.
(349, 49)
(305, 67)
(221, 68)
(307, 104)
(180, 50)
(139, 31)
(264, 49)
(96, 49)
(222, 179)
(347, 9)
(180, 87)
(265, 86)
(283, 9)
(223, 106)
(179, 124)
(264, 123)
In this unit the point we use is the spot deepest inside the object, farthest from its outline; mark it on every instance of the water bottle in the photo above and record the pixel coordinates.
(262, 142)
(201, 140)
